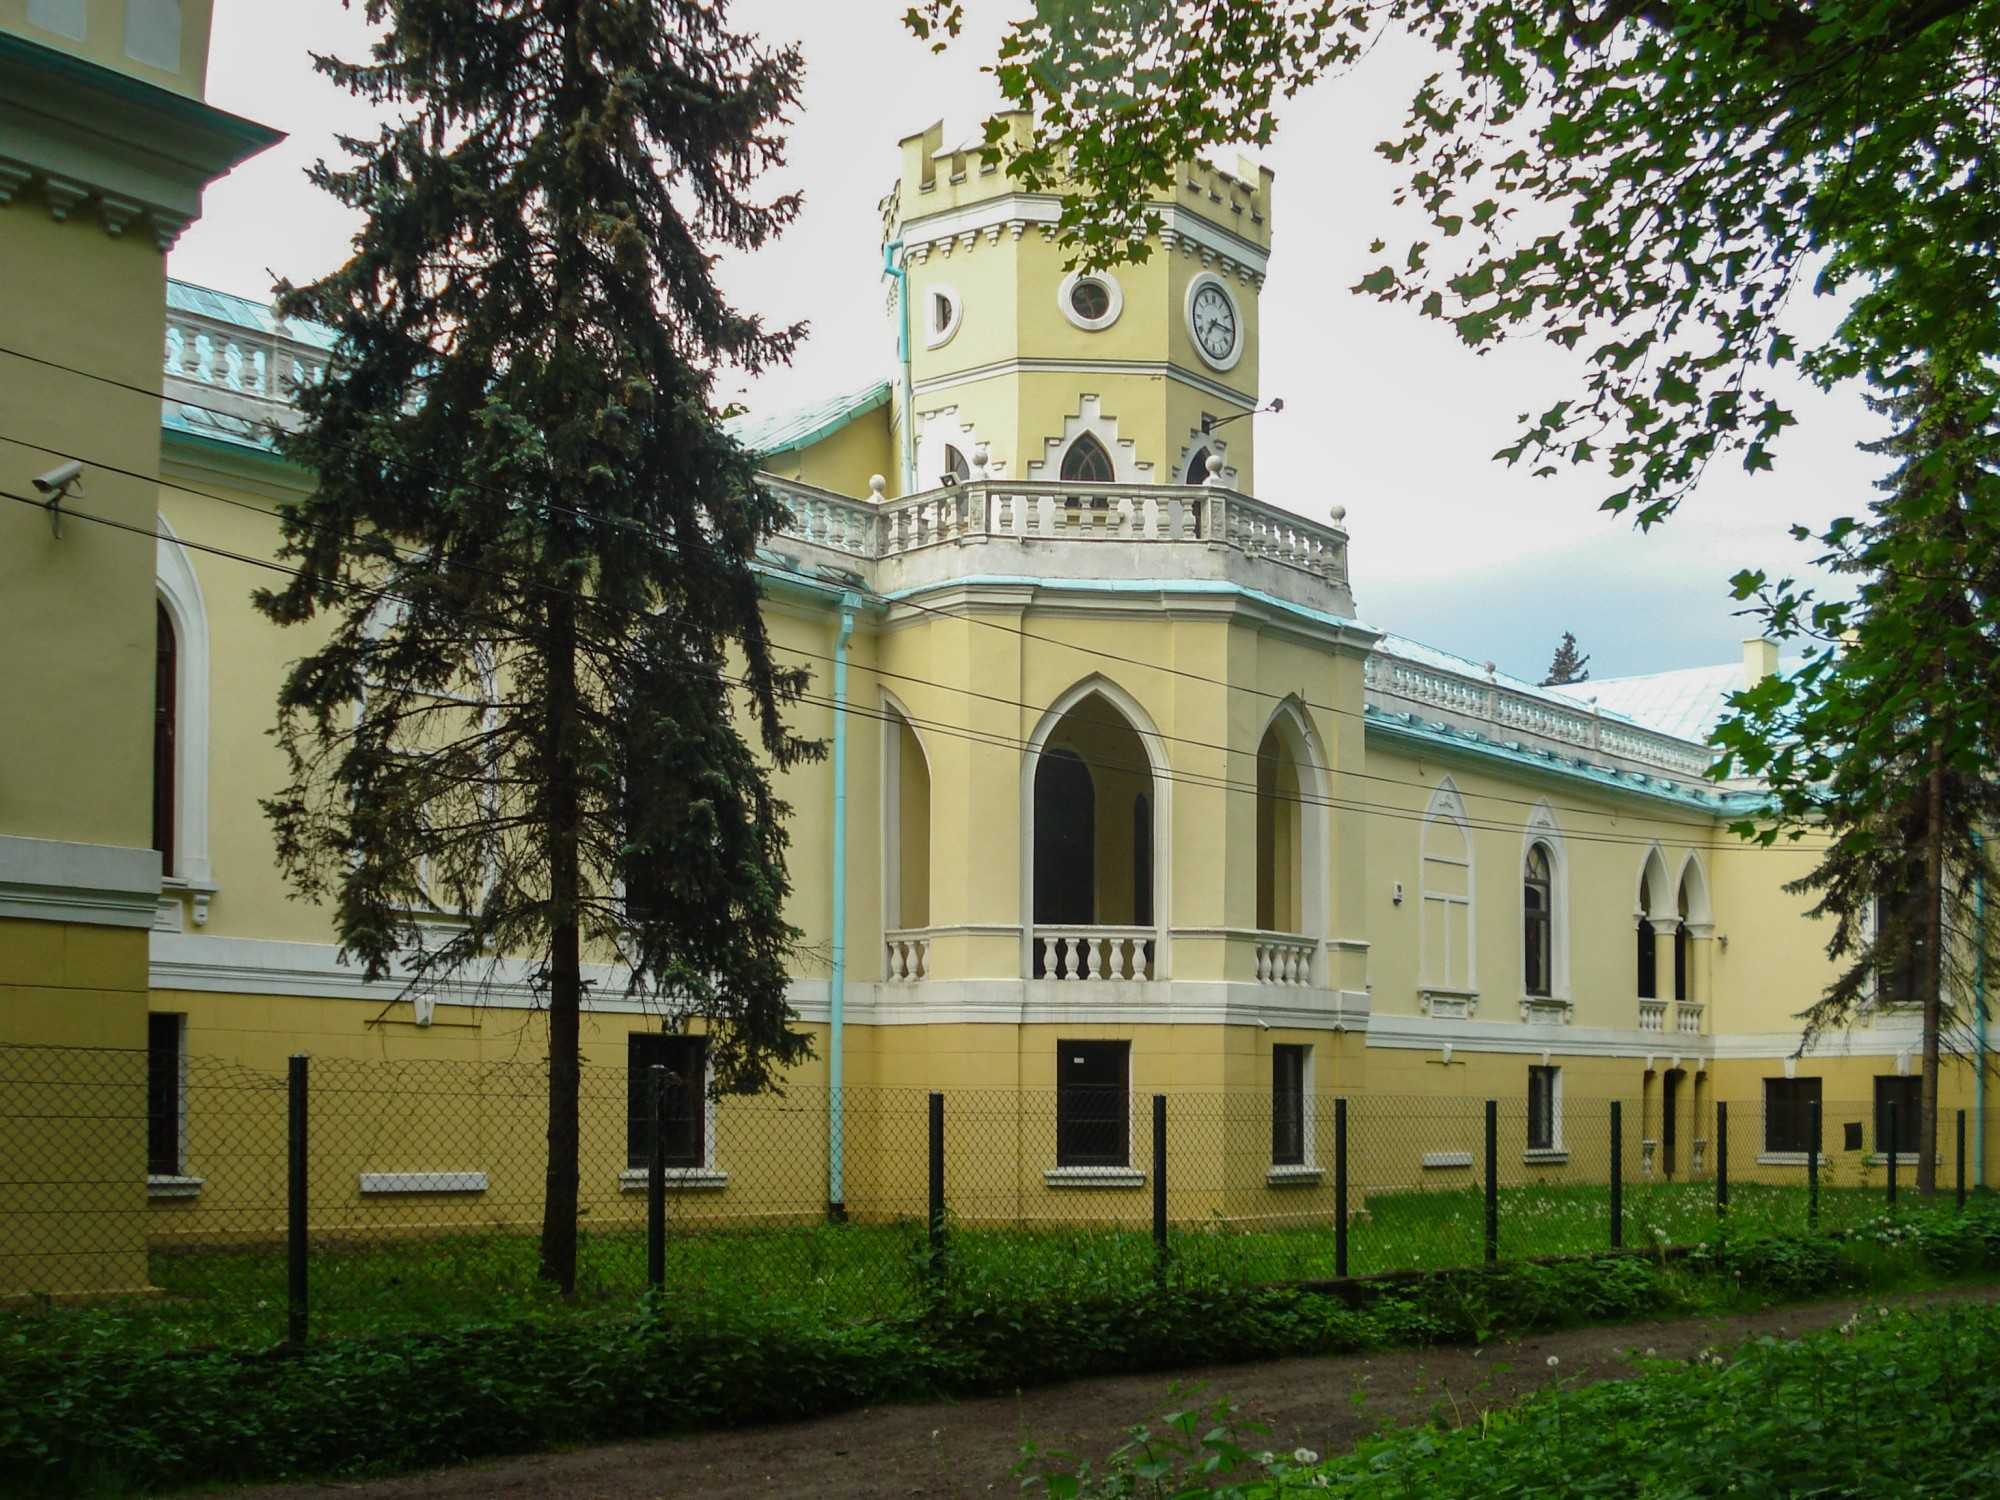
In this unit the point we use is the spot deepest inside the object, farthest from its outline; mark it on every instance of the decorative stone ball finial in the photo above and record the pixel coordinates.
(979, 459)
(1215, 468)
(1339, 514)
(876, 484)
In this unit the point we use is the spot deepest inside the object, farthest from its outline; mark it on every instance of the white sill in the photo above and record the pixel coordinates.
(1903, 1158)
(1295, 1174)
(375, 1184)
(1094, 1177)
(1789, 1159)
(1554, 1156)
(158, 1186)
(633, 1179)
(1436, 1159)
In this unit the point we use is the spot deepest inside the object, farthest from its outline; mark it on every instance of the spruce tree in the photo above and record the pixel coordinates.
(521, 730)
(1885, 743)
(1567, 665)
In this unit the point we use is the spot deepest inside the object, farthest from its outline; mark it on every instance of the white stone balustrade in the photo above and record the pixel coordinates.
(1284, 959)
(1652, 1015)
(907, 955)
(1511, 713)
(1687, 1017)
(1167, 515)
(1086, 954)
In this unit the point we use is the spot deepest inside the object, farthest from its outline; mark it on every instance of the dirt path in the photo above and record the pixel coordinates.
(942, 1451)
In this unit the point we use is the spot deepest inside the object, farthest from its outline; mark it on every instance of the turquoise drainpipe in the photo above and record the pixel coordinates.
(892, 267)
(836, 1114)
(1979, 1023)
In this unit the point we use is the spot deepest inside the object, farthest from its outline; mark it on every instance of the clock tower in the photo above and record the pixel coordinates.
(1055, 372)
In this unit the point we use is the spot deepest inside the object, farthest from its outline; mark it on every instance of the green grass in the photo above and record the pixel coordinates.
(236, 1298)
(1902, 1403)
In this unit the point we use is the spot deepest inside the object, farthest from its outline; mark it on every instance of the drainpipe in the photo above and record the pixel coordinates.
(891, 266)
(1979, 1023)
(836, 1113)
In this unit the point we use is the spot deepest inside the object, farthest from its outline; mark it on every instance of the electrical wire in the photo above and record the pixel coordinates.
(890, 716)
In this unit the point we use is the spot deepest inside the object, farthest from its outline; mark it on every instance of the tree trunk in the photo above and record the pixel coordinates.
(1933, 971)
(565, 957)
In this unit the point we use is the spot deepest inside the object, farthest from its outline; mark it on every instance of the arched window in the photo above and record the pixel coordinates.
(1538, 920)
(1086, 462)
(956, 469)
(1649, 986)
(166, 678)
(1197, 469)
(1682, 974)
(1142, 861)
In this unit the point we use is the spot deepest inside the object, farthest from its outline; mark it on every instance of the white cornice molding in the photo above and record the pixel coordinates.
(212, 964)
(1180, 226)
(99, 885)
(1156, 369)
(90, 133)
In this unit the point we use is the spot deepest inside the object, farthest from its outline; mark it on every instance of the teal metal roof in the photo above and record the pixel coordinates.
(800, 428)
(242, 312)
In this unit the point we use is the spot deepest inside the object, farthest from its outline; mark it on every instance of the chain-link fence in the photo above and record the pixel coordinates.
(349, 1196)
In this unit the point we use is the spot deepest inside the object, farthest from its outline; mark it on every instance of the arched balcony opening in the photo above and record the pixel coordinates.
(906, 848)
(1096, 880)
(1278, 835)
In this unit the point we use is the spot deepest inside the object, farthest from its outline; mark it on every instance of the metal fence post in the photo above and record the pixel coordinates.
(1812, 1169)
(1160, 1178)
(936, 1207)
(1492, 1181)
(1721, 1157)
(1892, 1152)
(1617, 1175)
(1961, 1158)
(656, 1179)
(1340, 1187)
(295, 1204)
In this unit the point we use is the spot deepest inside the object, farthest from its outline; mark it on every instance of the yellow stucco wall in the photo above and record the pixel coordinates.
(102, 32)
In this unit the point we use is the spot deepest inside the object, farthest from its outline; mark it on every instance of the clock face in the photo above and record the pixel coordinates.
(1214, 321)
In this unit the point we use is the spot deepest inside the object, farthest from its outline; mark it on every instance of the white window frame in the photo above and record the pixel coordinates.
(1114, 292)
(1448, 806)
(1556, 1150)
(1544, 830)
(707, 1175)
(935, 337)
(1307, 1169)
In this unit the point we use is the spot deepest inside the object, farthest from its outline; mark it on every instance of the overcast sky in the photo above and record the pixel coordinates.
(1385, 413)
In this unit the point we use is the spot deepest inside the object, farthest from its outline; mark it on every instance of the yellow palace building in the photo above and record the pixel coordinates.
(1128, 796)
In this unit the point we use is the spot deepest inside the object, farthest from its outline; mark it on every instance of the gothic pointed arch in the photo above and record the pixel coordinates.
(1090, 420)
(182, 606)
(906, 819)
(1447, 890)
(1096, 734)
(1545, 925)
(1294, 835)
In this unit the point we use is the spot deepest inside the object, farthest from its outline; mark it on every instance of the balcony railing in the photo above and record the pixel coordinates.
(1086, 954)
(1506, 709)
(1164, 516)
(1652, 1015)
(907, 955)
(1285, 959)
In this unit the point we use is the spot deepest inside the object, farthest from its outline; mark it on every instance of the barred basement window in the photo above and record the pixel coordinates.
(1288, 1105)
(1788, 1105)
(685, 1058)
(166, 1098)
(1544, 1109)
(1093, 1113)
(1906, 1097)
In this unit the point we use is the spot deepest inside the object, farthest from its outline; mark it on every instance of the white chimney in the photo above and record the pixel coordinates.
(1760, 660)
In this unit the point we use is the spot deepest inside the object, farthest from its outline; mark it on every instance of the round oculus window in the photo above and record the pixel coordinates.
(1090, 299)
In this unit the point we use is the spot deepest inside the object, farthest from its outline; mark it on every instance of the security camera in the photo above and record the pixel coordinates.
(58, 480)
